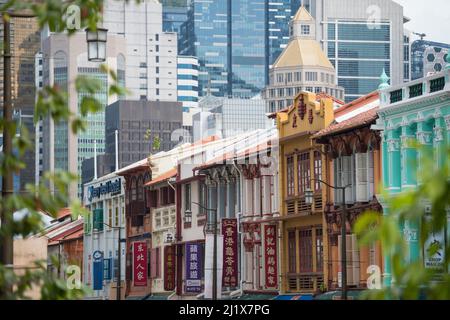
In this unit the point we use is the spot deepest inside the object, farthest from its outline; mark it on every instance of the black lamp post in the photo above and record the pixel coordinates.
(214, 288)
(309, 200)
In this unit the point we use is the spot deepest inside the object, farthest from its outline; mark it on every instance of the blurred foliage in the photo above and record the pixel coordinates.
(412, 280)
(52, 101)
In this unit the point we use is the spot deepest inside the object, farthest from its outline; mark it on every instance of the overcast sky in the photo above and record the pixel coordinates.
(431, 17)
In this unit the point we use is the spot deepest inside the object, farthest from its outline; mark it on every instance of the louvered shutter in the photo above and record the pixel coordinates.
(371, 175)
(361, 177)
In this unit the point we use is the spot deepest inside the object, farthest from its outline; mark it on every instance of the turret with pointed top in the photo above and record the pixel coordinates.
(384, 81)
(303, 25)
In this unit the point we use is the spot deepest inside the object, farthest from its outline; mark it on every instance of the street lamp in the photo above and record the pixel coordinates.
(214, 289)
(309, 201)
(96, 41)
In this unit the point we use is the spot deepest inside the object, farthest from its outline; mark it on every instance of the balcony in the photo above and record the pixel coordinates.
(304, 282)
(415, 89)
(297, 205)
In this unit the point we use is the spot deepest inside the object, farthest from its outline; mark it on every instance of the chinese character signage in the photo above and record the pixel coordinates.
(230, 267)
(193, 267)
(270, 255)
(140, 264)
(169, 268)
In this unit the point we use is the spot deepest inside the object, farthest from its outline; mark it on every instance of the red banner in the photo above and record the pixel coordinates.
(140, 264)
(230, 253)
(169, 268)
(270, 255)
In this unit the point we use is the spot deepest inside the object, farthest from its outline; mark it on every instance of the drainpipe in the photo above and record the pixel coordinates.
(240, 236)
(178, 237)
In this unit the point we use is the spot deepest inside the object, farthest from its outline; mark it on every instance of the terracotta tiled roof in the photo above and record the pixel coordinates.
(362, 119)
(356, 104)
(165, 176)
(64, 212)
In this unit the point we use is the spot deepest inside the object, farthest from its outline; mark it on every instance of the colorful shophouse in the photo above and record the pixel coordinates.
(353, 159)
(302, 226)
(241, 184)
(411, 113)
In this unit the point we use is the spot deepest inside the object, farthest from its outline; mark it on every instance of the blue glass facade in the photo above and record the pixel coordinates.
(427, 56)
(359, 54)
(228, 37)
(175, 13)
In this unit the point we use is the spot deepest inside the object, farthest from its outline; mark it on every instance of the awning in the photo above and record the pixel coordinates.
(303, 297)
(336, 295)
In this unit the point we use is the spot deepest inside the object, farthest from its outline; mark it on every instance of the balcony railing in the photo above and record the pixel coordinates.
(417, 88)
(304, 282)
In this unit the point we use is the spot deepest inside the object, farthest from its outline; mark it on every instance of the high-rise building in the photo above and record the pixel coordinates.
(25, 43)
(65, 58)
(302, 66)
(361, 38)
(174, 14)
(151, 54)
(427, 57)
(187, 82)
(228, 37)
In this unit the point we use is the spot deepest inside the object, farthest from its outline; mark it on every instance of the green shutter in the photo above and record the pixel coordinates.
(98, 219)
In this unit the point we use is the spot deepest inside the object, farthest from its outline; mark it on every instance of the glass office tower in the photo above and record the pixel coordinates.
(228, 37)
(359, 55)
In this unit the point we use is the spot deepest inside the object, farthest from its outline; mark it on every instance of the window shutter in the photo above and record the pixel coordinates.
(347, 178)
(354, 258)
(371, 174)
(337, 166)
(361, 177)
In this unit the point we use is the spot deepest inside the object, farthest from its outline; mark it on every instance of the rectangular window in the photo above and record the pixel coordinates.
(311, 76)
(317, 170)
(306, 30)
(290, 176)
(187, 197)
(110, 220)
(292, 252)
(298, 76)
(319, 250)
(305, 247)
(304, 172)
(116, 217)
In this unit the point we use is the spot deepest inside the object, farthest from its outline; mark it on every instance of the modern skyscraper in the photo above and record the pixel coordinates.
(361, 37)
(427, 57)
(151, 56)
(301, 66)
(25, 43)
(228, 37)
(174, 14)
(65, 58)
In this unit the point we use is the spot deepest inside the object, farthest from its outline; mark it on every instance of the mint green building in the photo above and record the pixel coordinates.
(413, 113)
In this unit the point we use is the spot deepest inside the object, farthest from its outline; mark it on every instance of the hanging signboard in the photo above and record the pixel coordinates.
(270, 256)
(169, 268)
(230, 266)
(140, 264)
(98, 270)
(193, 267)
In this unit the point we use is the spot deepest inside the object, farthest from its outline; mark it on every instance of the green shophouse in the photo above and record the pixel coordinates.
(413, 113)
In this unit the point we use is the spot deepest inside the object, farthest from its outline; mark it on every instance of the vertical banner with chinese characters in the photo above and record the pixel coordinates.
(140, 264)
(230, 266)
(193, 267)
(169, 268)
(270, 255)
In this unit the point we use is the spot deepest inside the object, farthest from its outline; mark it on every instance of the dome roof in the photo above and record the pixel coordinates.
(303, 52)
